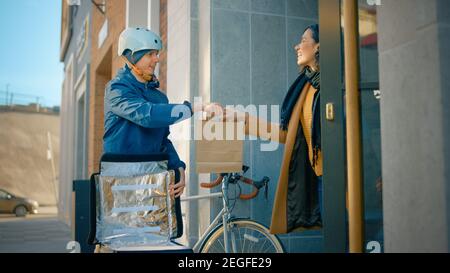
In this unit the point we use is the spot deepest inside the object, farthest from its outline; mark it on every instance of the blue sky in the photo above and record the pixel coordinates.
(29, 49)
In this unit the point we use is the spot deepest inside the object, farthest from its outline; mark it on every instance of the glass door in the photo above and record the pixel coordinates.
(335, 216)
(370, 121)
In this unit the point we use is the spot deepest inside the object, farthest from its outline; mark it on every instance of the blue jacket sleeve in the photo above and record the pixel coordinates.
(174, 159)
(129, 105)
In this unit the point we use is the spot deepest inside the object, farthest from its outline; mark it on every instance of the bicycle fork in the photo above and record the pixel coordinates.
(226, 215)
(228, 234)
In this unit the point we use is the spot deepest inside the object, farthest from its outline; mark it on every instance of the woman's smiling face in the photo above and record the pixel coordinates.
(306, 50)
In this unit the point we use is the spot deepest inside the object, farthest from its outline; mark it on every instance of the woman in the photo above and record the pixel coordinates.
(299, 193)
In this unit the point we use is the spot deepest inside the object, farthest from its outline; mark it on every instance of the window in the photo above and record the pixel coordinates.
(66, 28)
(82, 40)
(3, 195)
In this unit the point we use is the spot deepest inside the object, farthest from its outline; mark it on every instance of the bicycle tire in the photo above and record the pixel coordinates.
(253, 238)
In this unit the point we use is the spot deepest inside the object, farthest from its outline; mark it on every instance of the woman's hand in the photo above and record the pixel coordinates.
(232, 115)
(176, 190)
(213, 110)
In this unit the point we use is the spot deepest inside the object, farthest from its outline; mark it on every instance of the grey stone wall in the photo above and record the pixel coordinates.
(413, 46)
(253, 62)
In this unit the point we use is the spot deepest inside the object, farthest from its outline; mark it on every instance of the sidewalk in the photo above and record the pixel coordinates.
(40, 233)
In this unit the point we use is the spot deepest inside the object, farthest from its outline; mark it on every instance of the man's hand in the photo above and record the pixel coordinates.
(178, 189)
(198, 107)
(212, 109)
(232, 115)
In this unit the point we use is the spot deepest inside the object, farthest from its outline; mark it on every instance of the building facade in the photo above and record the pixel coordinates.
(241, 52)
(76, 55)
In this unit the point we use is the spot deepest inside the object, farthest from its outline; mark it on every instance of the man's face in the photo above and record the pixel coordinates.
(147, 64)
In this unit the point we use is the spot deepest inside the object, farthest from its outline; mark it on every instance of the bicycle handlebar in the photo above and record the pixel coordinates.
(235, 178)
(210, 185)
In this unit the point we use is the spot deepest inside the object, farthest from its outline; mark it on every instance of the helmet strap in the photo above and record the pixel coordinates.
(146, 77)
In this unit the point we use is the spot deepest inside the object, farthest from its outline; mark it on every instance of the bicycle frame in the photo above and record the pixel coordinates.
(224, 214)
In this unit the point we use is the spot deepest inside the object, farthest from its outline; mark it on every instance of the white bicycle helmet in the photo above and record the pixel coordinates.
(137, 38)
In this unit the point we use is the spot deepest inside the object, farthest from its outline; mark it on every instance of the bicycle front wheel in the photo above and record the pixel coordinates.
(245, 236)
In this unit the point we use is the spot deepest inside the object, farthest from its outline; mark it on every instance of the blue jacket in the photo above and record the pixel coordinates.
(138, 116)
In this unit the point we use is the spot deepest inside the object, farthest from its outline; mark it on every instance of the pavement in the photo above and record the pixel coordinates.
(39, 233)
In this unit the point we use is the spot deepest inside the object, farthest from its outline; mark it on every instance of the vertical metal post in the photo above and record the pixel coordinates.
(11, 101)
(7, 91)
(52, 161)
(352, 102)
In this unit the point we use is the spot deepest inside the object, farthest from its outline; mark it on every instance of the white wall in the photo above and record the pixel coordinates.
(153, 15)
(136, 13)
(81, 126)
(178, 80)
(66, 172)
(141, 13)
(201, 77)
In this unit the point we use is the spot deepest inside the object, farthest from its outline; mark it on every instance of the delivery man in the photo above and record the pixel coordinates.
(137, 113)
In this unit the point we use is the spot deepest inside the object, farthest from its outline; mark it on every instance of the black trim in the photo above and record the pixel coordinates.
(92, 240)
(178, 213)
(134, 157)
(364, 86)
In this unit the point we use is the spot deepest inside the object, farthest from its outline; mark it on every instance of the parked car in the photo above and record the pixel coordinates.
(20, 206)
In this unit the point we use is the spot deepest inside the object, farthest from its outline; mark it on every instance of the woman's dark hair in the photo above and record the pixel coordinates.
(315, 35)
(315, 31)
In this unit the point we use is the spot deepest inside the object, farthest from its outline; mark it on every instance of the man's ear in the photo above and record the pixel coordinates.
(318, 47)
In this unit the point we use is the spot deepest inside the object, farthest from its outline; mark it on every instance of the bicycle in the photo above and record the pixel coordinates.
(227, 234)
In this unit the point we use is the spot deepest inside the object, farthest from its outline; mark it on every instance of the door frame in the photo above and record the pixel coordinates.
(333, 132)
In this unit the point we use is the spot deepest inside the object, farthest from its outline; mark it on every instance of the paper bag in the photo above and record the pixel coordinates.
(219, 146)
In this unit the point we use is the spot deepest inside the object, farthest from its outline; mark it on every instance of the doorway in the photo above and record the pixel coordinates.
(333, 91)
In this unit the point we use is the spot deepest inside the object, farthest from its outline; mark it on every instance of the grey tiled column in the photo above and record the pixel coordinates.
(414, 37)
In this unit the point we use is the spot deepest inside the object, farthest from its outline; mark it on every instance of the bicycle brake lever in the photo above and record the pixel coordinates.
(266, 186)
(265, 190)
